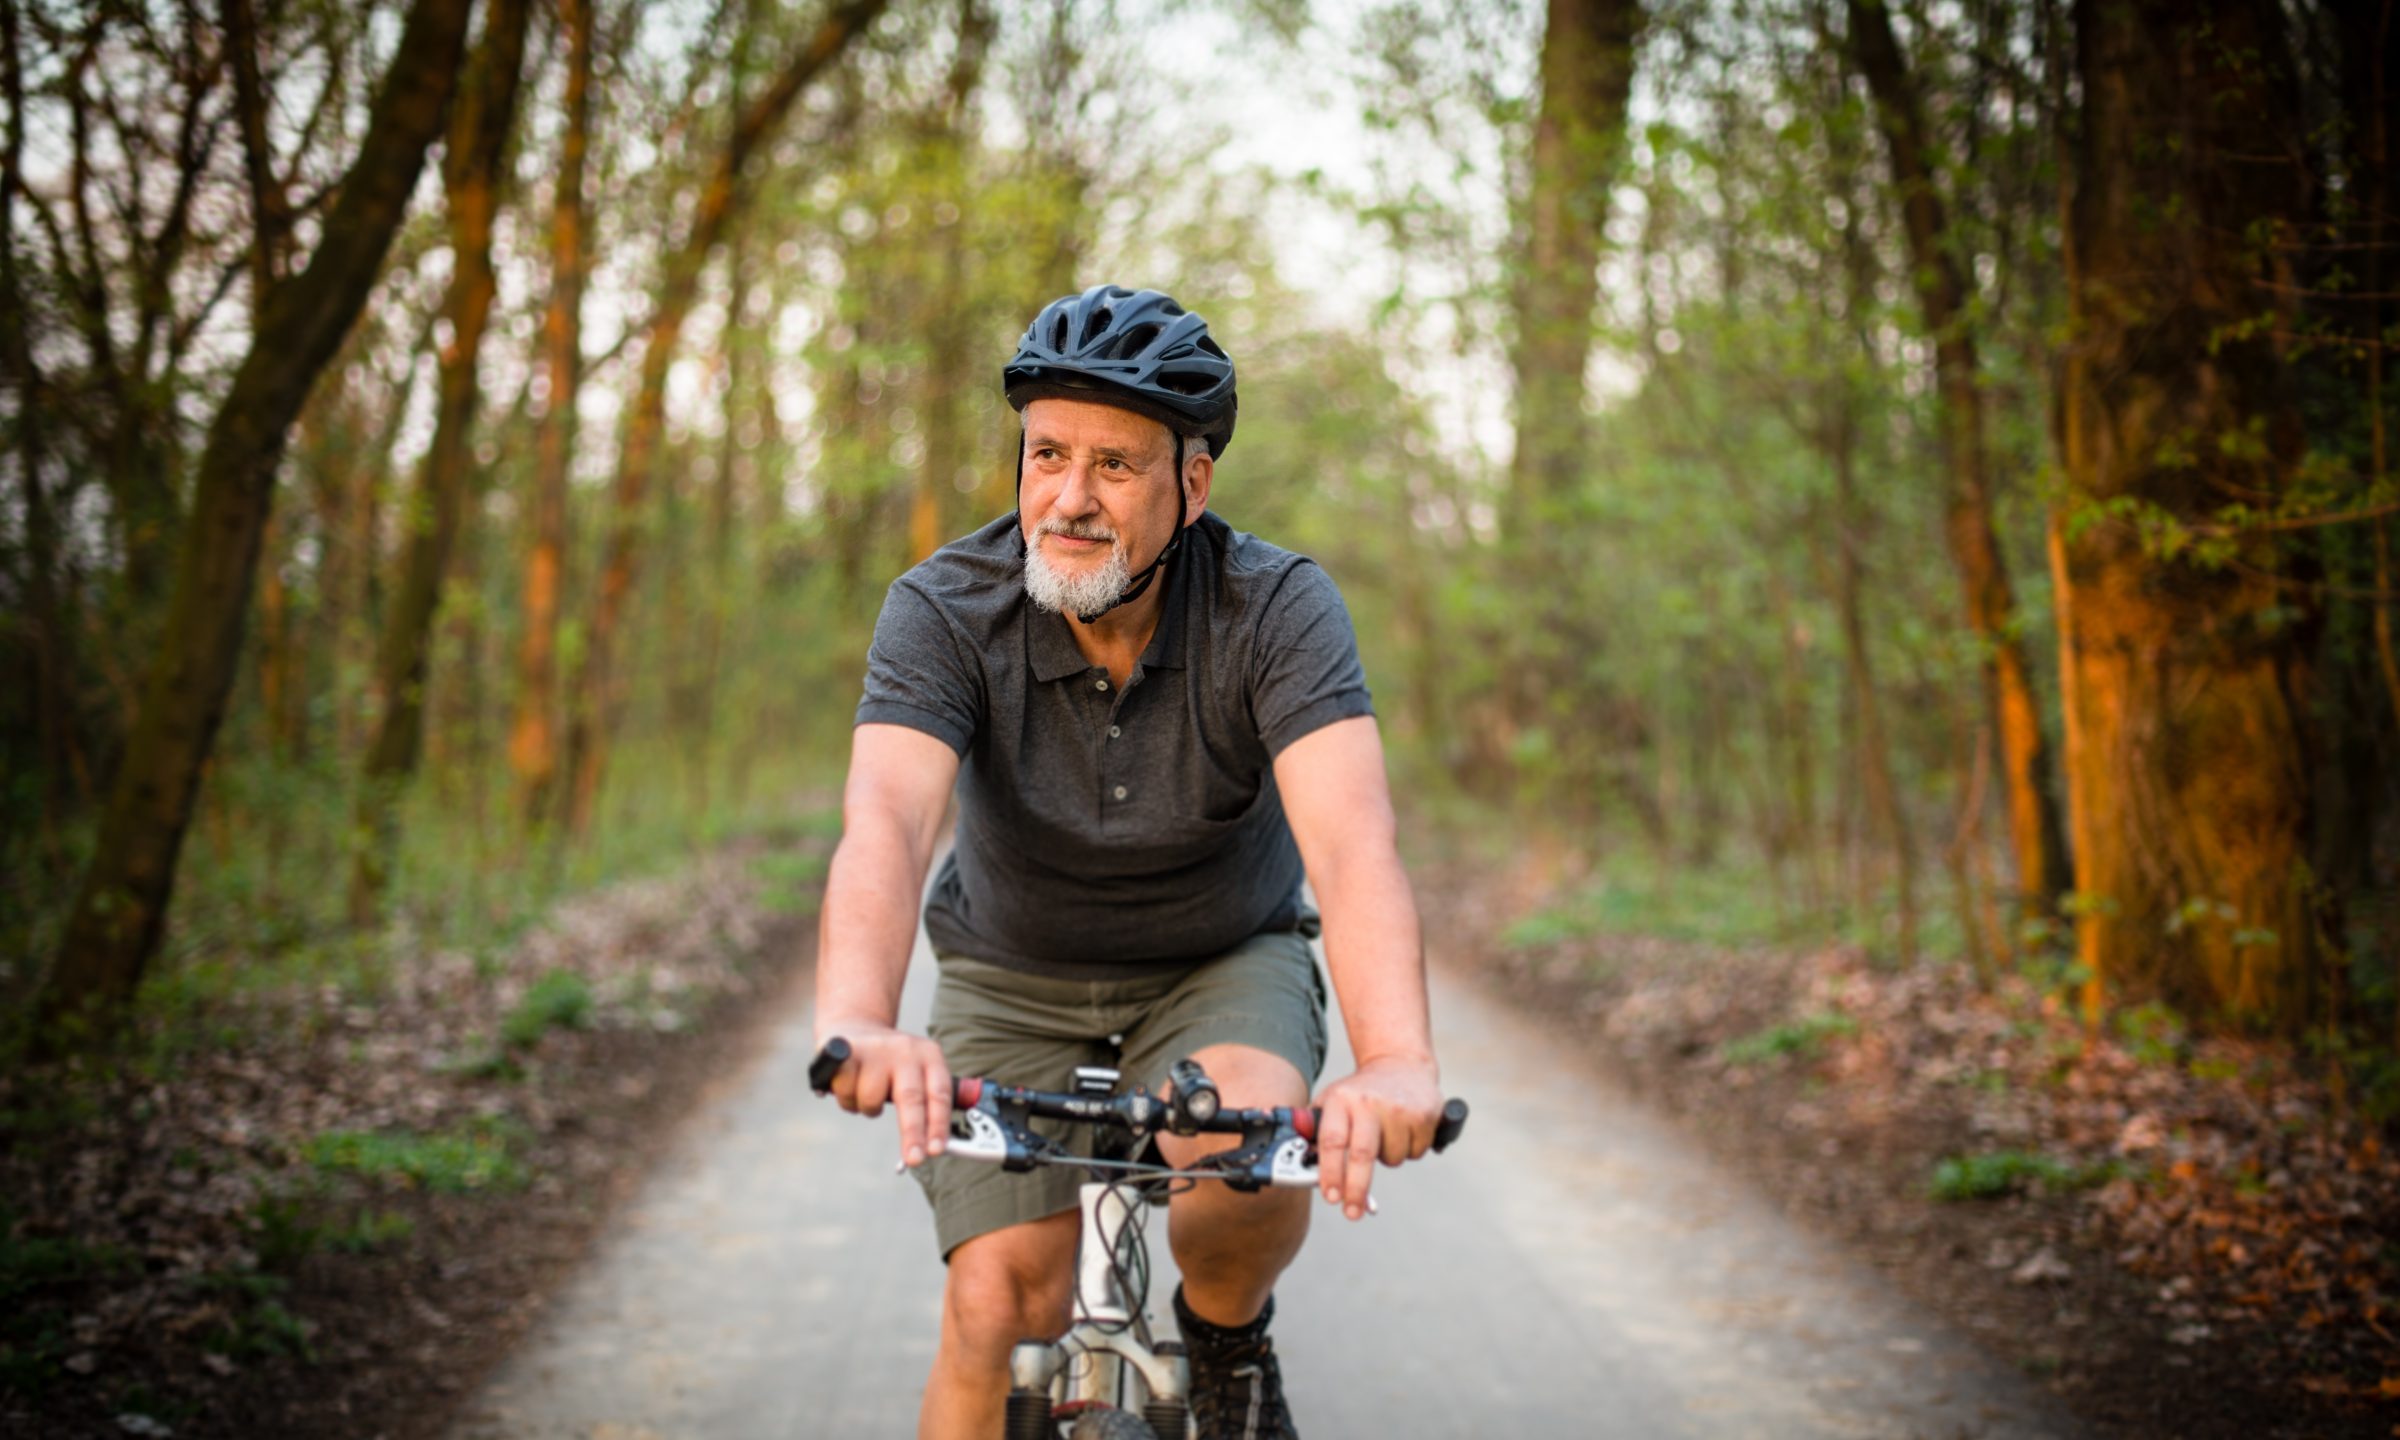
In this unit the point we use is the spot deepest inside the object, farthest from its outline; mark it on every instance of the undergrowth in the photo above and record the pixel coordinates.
(1803, 1038)
(1991, 1174)
(478, 1157)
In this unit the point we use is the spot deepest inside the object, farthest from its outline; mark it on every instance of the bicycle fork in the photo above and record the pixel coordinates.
(1088, 1365)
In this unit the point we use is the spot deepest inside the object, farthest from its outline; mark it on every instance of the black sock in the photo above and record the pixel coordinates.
(1197, 1331)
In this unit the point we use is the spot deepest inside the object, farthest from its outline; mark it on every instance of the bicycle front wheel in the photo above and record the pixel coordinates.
(1104, 1423)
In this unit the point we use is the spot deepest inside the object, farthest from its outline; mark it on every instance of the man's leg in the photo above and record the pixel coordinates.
(1231, 1246)
(1005, 1286)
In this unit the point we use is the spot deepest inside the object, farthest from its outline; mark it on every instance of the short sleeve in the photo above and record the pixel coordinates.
(917, 673)
(1306, 673)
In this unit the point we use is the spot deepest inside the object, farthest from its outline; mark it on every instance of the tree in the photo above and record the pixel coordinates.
(120, 910)
(1943, 295)
(1578, 142)
(2184, 666)
(472, 171)
(596, 690)
(533, 735)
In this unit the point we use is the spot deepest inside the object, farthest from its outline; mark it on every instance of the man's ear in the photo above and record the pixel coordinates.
(1198, 472)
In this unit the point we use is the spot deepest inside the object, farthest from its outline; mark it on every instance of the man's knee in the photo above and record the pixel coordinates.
(1247, 1078)
(1011, 1285)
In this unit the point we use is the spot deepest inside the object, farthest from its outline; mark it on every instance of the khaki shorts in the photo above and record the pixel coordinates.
(1030, 1030)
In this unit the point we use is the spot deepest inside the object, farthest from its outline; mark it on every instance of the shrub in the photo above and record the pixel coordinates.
(1803, 1037)
(560, 1000)
(451, 1163)
(1995, 1173)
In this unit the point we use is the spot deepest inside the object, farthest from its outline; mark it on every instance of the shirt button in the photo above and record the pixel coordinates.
(1120, 792)
(1099, 684)
(1114, 732)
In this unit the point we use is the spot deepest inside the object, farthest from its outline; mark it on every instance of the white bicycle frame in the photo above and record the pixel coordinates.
(1106, 1356)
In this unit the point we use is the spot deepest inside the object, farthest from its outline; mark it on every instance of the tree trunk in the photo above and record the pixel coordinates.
(119, 914)
(2188, 789)
(596, 687)
(46, 649)
(1888, 820)
(2035, 831)
(473, 171)
(1578, 141)
(951, 367)
(533, 734)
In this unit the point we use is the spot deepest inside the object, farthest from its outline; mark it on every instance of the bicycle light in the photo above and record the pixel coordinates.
(1195, 1094)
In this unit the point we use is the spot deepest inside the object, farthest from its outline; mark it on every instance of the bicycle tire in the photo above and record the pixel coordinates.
(1103, 1423)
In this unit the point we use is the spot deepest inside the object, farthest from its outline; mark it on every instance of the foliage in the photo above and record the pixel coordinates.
(34, 1270)
(560, 1000)
(450, 1162)
(259, 1325)
(1729, 903)
(789, 880)
(1990, 1174)
(1802, 1038)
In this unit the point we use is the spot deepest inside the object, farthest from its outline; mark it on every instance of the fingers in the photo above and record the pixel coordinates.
(1348, 1141)
(908, 1096)
(937, 1104)
(921, 1095)
(909, 1074)
(1358, 1163)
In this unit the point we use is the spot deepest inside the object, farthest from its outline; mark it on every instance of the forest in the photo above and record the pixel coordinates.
(1906, 475)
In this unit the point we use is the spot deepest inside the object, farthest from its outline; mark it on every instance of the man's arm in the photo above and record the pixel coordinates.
(1339, 804)
(892, 808)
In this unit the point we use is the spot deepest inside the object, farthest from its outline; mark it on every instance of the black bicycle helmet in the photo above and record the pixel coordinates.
(1135, 349)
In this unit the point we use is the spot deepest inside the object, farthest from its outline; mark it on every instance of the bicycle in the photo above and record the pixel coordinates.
(1107, 1378)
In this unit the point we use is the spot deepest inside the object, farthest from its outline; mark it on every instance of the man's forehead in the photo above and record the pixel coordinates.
(1088, 423)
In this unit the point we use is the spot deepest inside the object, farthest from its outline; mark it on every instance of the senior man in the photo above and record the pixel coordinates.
(1145, 762)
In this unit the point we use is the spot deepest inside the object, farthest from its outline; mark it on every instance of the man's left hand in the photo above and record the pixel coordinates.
(1387, 1111)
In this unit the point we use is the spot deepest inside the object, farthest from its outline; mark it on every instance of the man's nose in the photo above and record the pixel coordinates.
(1076, 491)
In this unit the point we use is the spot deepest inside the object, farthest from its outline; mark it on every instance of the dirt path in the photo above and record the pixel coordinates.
(1575, 1268)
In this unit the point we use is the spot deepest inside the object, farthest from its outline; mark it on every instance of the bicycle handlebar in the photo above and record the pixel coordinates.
(1279, 1145)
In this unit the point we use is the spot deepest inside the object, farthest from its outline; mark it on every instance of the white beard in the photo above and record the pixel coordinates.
(1073, 594)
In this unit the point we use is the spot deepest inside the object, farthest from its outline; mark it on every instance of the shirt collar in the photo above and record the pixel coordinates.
(1050, 642)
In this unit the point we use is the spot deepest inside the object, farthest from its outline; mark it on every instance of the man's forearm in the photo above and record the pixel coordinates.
(869, 924)
(1375, 952)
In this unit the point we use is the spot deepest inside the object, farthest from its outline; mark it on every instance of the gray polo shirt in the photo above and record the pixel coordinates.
(1106, 829)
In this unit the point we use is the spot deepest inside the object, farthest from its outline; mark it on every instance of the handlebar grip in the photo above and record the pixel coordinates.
(1454, 1120)
(829, 1063)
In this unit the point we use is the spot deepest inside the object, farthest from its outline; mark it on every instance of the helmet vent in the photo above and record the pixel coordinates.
(1058, 334)
(1133, 342)
(1095, 325)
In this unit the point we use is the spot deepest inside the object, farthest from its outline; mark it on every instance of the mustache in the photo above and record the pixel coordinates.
(1076, 530)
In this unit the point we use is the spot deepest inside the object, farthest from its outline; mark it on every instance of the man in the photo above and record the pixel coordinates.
(1144, 760)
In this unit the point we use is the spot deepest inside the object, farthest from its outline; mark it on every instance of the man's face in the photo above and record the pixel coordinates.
(1100, 499)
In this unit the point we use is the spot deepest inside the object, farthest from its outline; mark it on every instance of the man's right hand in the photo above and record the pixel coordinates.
(907, 1072)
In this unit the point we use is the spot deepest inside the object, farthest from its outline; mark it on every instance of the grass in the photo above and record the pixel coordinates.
(2152, 1033)
(260, 1327)
(1636, 894)
(38, 1277)
(372, 1231)
(1803, 1038)
(260, 899)
(560, 1000)
(790, 881)
(450, 1163)
(1996, 1173)
(1988, 1082)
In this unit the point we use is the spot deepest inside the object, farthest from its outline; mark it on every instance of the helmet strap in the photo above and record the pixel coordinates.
(1134, 588)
